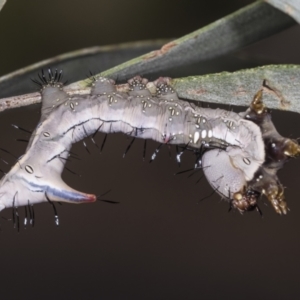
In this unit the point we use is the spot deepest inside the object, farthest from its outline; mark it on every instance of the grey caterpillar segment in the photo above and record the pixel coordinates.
(234, 143)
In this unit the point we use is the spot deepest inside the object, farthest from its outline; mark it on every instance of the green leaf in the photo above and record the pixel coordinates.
(238, 88)
(245, 26)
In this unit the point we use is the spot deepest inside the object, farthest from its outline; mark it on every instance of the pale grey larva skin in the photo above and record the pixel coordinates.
(225, 179)
(161, 117)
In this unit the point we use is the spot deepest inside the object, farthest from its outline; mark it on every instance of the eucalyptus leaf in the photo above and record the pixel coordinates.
(238, 88)
(239, 29)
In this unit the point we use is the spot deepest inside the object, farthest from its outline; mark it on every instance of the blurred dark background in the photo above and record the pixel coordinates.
(158, 243)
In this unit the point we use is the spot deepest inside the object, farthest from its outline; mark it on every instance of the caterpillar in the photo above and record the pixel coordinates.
(239, 153)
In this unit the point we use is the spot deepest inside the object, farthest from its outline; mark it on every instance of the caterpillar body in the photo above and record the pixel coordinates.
(239, 153)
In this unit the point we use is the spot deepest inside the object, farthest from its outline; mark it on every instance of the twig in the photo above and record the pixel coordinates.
(236, 88)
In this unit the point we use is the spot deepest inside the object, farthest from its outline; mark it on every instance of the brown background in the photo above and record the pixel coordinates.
(158, 243)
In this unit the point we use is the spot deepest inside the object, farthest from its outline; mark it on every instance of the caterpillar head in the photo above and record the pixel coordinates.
(234, 181)
(228, 180)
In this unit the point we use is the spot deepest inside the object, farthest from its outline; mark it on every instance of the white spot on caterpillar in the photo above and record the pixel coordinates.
(196, 137)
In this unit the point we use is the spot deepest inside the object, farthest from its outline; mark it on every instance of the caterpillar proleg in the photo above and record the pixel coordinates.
(239, 153)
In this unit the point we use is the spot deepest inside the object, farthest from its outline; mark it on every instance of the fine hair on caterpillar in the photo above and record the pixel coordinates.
(239, 153)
